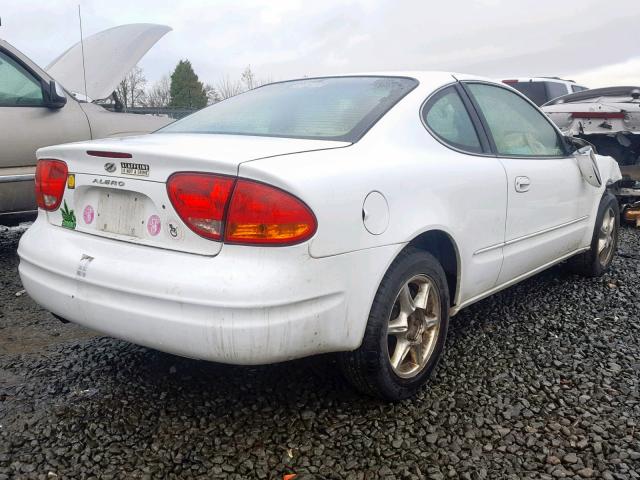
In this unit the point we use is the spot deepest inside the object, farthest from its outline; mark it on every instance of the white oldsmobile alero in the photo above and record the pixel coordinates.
(351, 214)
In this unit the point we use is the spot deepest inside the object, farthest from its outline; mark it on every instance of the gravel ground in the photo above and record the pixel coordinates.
(540, 381)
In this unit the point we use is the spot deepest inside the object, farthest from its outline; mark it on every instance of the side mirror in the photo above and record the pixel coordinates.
(576, 143)
(53, 95)
(588, 166)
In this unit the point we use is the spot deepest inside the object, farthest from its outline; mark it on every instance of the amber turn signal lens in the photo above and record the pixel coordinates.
(260, 214)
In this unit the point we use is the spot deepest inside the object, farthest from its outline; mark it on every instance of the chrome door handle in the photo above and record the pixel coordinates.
(522, 184)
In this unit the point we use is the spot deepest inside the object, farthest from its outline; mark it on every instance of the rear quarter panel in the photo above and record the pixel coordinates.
(427, 187)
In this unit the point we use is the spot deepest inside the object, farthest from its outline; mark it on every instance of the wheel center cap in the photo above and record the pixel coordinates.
(416, 327)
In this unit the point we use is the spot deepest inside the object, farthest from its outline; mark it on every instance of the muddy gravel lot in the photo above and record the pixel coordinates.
(540, 381)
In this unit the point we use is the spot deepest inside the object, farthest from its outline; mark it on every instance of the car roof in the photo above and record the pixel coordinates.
(423, 76)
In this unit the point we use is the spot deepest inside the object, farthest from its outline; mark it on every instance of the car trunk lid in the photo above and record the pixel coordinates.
(117, 187)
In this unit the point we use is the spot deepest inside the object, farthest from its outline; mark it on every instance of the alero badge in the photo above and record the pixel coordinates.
(137, 169)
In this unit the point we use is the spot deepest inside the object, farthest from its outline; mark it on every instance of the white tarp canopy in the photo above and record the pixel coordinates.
(109, 56)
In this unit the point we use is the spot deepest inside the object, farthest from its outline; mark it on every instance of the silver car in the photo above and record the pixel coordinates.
(37, 111)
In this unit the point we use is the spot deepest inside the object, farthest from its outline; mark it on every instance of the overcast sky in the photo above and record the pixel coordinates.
(595, 42)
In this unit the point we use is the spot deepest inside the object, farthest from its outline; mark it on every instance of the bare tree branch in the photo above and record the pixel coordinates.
(130, 90)
(228, 88)
(160, 94)
(212, 94)
(248, 78)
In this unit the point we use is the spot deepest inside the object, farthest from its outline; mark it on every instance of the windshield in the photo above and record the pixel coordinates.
(334, 108)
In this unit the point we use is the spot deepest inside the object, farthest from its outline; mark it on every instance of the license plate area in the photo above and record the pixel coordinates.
(129, 210)
(121, 212)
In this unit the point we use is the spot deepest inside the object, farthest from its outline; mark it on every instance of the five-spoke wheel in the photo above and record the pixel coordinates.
(406, 330)
(413, 326)
(606, 236)
(597, 260)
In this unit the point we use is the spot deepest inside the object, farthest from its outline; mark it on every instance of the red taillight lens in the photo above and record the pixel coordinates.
(255, 213)
(51, 178)
(200, 200)
(264, 215)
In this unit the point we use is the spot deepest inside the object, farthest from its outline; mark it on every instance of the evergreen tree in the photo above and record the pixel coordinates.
(186, 90)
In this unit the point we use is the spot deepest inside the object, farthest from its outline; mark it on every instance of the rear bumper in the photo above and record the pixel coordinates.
(247, 305)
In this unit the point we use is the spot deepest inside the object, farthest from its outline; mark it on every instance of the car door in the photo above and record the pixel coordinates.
(27, 124)
(548, 200)
(477, 185)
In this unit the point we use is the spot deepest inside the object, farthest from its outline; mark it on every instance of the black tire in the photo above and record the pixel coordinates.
(591, 263)
(369, 367)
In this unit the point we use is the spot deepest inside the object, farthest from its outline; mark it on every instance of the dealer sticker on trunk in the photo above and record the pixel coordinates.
(138, 169)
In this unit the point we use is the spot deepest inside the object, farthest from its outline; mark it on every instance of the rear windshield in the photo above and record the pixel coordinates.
(536, 91)
(336, 108)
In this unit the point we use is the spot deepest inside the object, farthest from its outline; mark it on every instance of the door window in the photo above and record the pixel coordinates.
(447, 117)
(518, 128)
(17, 86)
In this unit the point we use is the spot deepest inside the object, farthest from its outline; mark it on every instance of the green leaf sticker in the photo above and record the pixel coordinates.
(68, 217)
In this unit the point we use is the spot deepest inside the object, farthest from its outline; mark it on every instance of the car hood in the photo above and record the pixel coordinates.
(108, 56)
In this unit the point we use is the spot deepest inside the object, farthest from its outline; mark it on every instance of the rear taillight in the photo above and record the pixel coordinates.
(239, 211)
(200, 200)
(265, 215)
(51, 178)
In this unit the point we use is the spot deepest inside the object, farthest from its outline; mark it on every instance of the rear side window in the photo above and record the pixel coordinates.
(556, 90)
(535, 91)
(517, 128)
(577, 88)
(448, 119)
(332, 108)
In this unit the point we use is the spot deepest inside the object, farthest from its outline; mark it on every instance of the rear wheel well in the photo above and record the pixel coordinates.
(441, 245)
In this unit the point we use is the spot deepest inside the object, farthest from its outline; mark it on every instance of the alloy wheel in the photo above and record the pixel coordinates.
(414, 325)
(606, 237)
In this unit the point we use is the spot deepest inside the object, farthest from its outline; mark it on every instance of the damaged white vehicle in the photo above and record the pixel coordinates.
(40, 107)
(350, 214)
(609, 119)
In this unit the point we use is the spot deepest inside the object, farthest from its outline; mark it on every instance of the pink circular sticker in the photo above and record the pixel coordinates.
(88, 214)
(153, 225)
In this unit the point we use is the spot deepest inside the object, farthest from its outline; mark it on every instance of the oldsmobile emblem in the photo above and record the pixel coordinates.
(110, 167)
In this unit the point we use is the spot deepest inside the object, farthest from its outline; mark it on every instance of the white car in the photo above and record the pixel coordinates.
(608, 118)
(350, 214)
